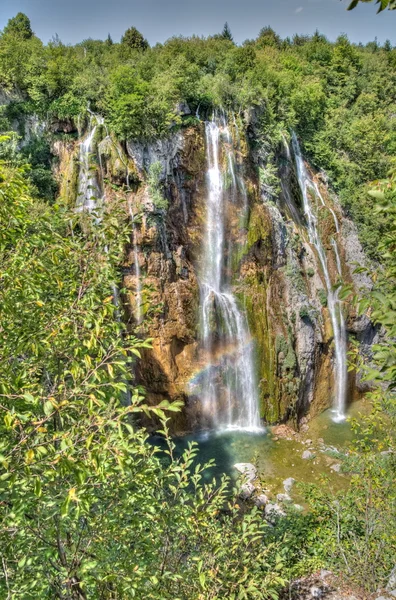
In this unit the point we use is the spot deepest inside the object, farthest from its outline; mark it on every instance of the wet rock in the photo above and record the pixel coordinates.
(307, 455)
(288, 484)
(164, 151)
(248, 470)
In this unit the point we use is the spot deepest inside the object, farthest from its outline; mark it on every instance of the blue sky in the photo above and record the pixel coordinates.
(75, 20)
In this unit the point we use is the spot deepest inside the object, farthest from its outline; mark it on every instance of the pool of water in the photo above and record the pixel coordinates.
(278, 458)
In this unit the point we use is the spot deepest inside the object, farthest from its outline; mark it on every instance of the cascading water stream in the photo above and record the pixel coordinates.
(138, 312)
(229, 393)
(333, 302)
(89, 193)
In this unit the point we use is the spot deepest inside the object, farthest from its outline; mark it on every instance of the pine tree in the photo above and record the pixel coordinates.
(226, 33)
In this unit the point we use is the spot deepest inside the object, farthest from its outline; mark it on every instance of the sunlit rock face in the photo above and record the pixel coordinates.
(233, 274)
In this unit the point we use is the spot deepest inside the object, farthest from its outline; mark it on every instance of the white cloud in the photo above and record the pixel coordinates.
(299, 9)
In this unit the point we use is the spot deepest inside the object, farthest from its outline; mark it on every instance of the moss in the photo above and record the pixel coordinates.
(259, 229)
(304, 312)
(265, 352)
(322, 297)
(69, 180)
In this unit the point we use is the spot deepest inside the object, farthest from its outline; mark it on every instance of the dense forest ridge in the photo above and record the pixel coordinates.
(88, 507)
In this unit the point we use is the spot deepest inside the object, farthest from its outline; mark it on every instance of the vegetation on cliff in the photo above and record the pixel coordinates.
(88, 509)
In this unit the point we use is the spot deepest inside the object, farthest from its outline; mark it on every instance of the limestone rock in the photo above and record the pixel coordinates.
(248, 470)
(336, 467)
(260, 501)
(288, 484)
(392, 580)
(247, 490)
(273, 512)
(308, 455)
(283, 498)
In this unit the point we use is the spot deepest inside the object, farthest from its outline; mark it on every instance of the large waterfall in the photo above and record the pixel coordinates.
(229, 391)
(308, 187)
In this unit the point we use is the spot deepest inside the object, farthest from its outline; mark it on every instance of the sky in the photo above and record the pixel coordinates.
(76, 20)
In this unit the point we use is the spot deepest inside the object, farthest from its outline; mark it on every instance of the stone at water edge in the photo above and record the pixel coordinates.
(273, 511)
(248, 470)
(336, 467)
(307, 455)
(285, 498)
(261, 500)
(247, 490)
(288, 484)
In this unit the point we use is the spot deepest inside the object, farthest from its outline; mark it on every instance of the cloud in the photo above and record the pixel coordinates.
(299, 9)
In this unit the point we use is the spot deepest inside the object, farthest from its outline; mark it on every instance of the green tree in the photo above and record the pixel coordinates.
(226, 33)
(383, 4)
(132, 38)
(19, 26)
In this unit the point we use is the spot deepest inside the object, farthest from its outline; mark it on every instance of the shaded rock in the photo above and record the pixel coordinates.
(247, 490)
(261, 500)
(273, 512)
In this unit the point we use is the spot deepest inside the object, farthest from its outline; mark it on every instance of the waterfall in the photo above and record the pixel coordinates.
(138, 313)
(333, 302)
(229, 391)
(88, 187)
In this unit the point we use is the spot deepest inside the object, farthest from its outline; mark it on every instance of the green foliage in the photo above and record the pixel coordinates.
(89, 508)
(19, 26)
(154, 186)
(133, 39)
(226, 33)
(322, 297)
(383, 4)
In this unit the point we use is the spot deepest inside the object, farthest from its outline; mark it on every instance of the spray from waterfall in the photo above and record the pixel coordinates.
(229, 391)
(307, 186)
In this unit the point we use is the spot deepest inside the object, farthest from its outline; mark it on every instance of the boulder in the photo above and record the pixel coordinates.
(284, 498)
(273, 512)
(392, 581)
(288, 484)
(260, 501)
(248, 470)
(336, 467)
(247, 490)
(307, 455)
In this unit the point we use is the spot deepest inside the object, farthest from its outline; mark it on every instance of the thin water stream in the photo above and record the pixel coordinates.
(308, 187)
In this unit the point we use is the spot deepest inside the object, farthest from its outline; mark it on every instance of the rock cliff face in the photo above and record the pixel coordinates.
(277, 276)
